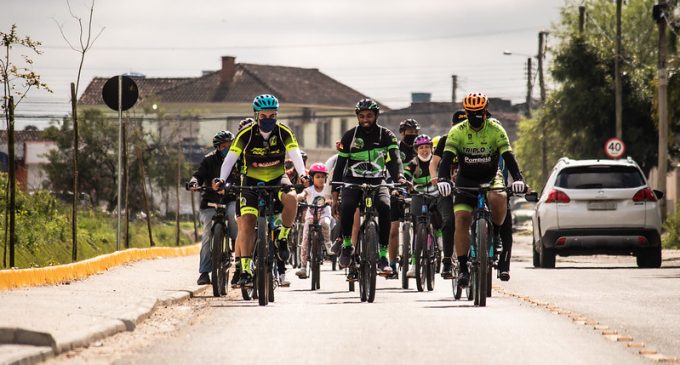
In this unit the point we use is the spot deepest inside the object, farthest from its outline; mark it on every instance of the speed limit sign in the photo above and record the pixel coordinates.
(614, 148)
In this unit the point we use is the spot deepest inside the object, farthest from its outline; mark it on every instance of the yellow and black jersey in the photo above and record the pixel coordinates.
(262, 158)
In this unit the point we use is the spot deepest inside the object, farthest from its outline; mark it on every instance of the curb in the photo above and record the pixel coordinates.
(12, 279)
(85, 337)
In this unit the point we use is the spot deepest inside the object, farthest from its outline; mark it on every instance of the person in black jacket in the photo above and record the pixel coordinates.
(203, 176)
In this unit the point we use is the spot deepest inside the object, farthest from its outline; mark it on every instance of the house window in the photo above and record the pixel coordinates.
(323, 133)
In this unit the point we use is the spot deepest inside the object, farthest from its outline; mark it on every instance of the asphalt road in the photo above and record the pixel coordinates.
(332, 326)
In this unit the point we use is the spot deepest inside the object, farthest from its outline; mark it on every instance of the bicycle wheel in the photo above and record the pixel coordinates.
(270, 277)
(362, 269)
(216, 258)
(431, 262)
(457, 290)
(488, 281)
(405, 253)
(421, 257)
(482, 240)
(261, 273)
(292, 247)
(313, 241)
(371, 256)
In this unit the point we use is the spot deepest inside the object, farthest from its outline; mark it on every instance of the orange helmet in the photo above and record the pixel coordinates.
(475, 101)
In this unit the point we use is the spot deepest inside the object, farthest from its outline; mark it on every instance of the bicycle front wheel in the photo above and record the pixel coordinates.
(261, 268)
(481, 241)
(216, 245)
(405, 253)
(370, 257)
(315, 258)
(421, 257)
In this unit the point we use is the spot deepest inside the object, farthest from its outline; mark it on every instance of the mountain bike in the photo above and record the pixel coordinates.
(425, 246)
(315, 241)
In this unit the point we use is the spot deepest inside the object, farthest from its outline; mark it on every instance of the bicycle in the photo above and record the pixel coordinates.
(406, 241)
(364, 261)
(315, 246)
(264, 262)
(295, 238)
(482, 254)
(425, 246)
(220, 248)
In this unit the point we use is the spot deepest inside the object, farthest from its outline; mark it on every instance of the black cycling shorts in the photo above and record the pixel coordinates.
(248, 198)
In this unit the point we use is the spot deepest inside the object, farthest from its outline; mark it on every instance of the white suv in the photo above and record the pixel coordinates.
(597, 207)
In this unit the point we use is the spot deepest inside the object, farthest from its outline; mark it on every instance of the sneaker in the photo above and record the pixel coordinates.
(353, 275)
(463, 279)
(345, 256)
(203, 279)
(505, 276)
(245, 279)
(302, 273)
(393, 276)
(282, 280)
(498, 244)
(447, 273)
(283, 252)
(234, 279)
(411, 274)
(335, 248)
(384, 266)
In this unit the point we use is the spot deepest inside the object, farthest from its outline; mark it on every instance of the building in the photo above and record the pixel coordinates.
(30, 150)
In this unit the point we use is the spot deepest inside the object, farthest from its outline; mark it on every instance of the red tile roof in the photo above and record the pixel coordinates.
(146, 86)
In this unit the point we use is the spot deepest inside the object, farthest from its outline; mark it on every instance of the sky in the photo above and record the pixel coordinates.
(385, 49)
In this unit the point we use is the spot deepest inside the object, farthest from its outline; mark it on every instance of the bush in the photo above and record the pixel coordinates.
(672, 226)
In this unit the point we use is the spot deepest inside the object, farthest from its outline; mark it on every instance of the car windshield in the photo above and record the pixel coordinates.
(600, 177)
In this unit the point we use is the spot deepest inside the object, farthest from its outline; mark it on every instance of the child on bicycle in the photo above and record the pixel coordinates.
(318, 173)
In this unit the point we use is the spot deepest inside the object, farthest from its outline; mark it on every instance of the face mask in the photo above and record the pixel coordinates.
(224, 152)
(409, 139)
(267, 124)
(476, 120)
(426, 158)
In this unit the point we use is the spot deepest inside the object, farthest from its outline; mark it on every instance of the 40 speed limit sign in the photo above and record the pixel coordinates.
(614, 148)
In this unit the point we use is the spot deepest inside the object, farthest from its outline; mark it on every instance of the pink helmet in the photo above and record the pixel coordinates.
(421, 140)
(318, 167)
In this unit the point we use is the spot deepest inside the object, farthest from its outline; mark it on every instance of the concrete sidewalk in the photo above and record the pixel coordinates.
(37, 323)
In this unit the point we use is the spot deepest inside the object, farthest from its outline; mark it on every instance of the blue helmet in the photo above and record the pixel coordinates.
(265, 102)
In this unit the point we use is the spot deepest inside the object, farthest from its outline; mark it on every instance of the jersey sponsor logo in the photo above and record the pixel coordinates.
(474, 150)
(403, 155)
(272, 141)
(477, 160)
(358, 143)
(265, 164)
(257, 151)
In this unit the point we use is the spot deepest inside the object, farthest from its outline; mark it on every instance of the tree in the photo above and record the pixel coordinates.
(17, 79)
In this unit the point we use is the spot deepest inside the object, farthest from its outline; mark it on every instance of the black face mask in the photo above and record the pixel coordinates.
(409, 139)
(476, 119)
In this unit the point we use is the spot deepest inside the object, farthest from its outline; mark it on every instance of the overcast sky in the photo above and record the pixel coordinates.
(385, 49)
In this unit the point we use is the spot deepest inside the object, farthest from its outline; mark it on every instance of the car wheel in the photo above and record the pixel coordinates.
(537, 261)
(547, 258)
(649, 258)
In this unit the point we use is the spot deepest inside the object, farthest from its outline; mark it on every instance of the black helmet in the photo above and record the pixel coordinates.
(458, 116)
(367, 104)
(409, 123)
(221, 137)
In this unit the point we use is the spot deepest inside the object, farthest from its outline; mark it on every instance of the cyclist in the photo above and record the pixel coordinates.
(478, 143)
(262, 148)
(365, 152)
(318, 173)
(208, 170)
(445, 206)
(408, 130)
(418, 171)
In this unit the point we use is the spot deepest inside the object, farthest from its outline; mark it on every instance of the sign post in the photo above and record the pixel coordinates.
(120, 93)
(614, 148)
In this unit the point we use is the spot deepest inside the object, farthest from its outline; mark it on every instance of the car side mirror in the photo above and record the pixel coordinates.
(532, 197)
(659, 194)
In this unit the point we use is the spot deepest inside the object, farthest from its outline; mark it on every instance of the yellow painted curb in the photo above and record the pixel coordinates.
(11, 279)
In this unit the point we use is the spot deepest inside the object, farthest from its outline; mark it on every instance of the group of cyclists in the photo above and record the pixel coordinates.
(264, 151)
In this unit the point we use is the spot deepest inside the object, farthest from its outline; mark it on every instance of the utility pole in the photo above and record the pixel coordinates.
(454, 86)
(541, 55)
(617, 72)
(581, 18)
(660, 17)
(12, 176)
(529, 87)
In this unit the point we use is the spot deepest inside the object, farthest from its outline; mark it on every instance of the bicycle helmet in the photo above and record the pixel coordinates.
(265, 102)
(422, 139)
(458, 117)
(475, 102)
(318, 167)
(367, 104)
(245, 122)
(409, 123)
(221, 137)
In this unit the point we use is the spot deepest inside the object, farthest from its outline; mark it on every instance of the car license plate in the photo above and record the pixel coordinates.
(601, 205)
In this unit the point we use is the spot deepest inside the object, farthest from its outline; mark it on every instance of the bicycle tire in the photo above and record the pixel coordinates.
(312, 241)
(261, 266)
(371, 256)
(405, 253)
(482, 241)
(419, 252)
(216, 246)
(488, 281)
(431, 260)
(457, 290)
(270, 283)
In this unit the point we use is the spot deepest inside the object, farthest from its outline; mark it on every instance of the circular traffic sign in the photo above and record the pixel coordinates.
(130, 93)
(614, 148)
